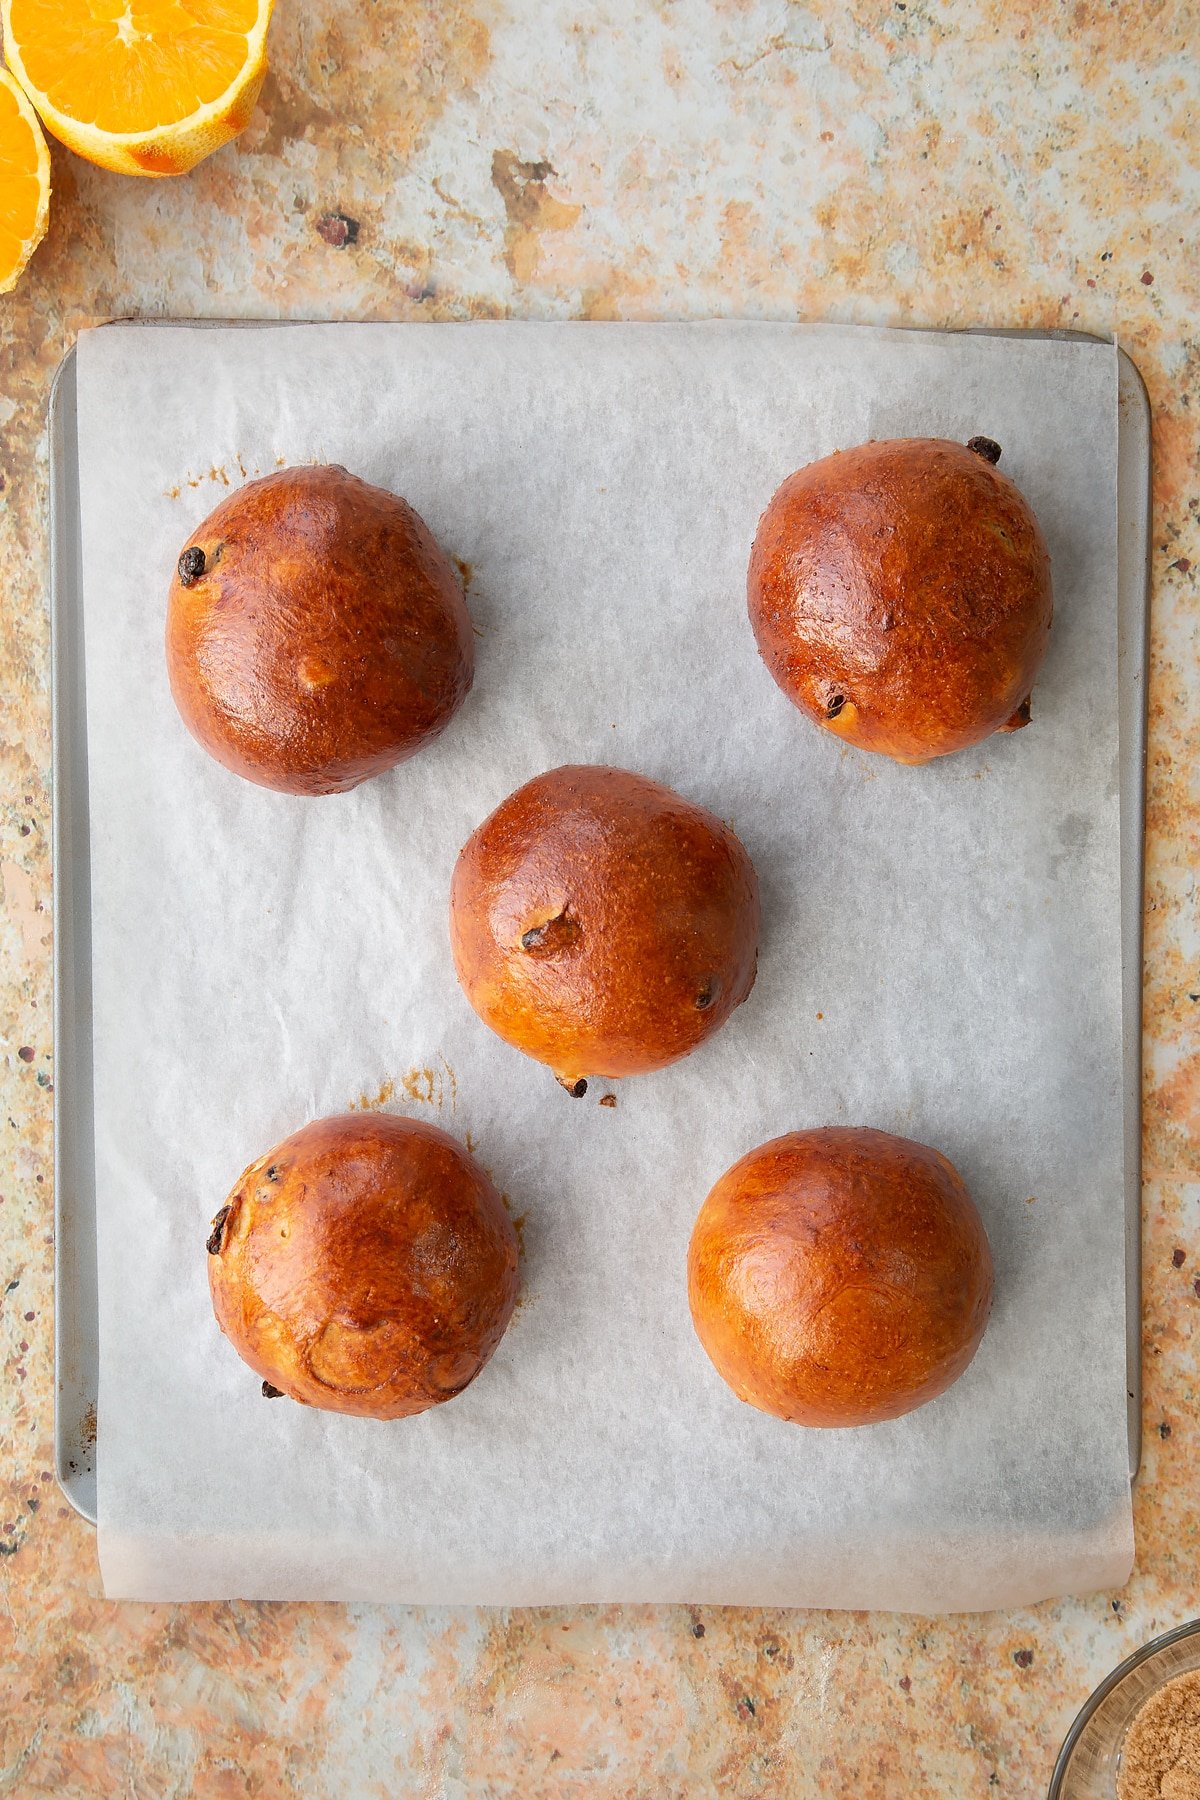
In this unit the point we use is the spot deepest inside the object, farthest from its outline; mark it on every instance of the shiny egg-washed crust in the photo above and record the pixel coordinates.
(365, 1265)
(839, 1276)
(603, 924)
(900, 595)
(326, 638)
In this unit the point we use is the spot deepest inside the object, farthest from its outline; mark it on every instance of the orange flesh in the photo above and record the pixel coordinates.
(128, 66)
(20, 189)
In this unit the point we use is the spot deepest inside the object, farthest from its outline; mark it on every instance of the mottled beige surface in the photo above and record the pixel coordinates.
(952, 164)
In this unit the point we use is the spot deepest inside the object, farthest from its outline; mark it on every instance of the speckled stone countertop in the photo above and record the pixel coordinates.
(934, 164)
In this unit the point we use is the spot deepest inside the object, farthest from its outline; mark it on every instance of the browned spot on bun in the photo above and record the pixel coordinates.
(839, 1276)
(900, 595)
(603, 924)
(316, 634)
(367, 1266)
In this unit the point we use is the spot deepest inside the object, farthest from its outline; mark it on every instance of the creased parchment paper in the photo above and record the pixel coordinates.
(940, 958)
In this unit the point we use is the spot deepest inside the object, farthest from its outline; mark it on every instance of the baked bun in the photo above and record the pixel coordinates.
(316, 634)
(900, 594)
(365, 1265)
(839, 1277)
(602, 924)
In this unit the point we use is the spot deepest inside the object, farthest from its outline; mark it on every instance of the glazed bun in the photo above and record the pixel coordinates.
(839, 1277)
(316, 634)
(602, 924)
(365, 1265)
(900, 595)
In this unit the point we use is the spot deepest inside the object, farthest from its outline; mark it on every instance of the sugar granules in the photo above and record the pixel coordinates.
(1160, 1758)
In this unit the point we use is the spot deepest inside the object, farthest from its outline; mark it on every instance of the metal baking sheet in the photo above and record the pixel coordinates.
(76, 1333)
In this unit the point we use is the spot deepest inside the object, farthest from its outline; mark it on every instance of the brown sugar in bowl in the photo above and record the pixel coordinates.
(900, 595)
(840, 1276)
(316, 634)
(365, 1265)
(603, 924)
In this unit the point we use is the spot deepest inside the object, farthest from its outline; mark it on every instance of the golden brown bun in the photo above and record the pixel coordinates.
(602, 924)
(839, 1277)
(900, 594)
(316, 634)
(365, 1265)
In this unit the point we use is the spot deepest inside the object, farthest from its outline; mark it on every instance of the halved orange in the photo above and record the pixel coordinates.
(145, 87)
(24, 182)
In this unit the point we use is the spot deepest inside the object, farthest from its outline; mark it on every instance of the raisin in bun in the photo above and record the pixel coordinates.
(316, 634)
(900, 595)
(603, 924)
(365, 1265)
(840, 1276)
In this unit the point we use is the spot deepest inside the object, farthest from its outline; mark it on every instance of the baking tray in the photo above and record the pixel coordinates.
(76, 1338)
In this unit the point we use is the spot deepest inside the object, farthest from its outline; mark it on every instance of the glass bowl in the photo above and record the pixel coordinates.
(1089, 1759)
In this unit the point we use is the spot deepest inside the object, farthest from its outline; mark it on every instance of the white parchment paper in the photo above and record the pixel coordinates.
(941, 958)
